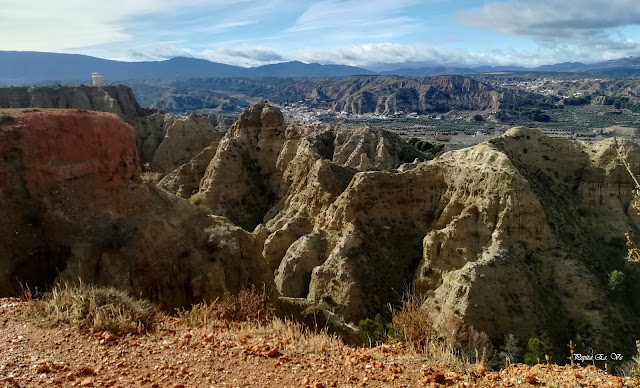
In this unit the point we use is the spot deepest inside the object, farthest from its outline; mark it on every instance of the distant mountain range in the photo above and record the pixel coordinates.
(23, 67)
(27, 67)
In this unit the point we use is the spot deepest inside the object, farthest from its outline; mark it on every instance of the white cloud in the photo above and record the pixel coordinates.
(46, 25)
(375, 55)
(556, 22)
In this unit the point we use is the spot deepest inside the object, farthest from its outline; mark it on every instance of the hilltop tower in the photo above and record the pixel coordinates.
(97, 79)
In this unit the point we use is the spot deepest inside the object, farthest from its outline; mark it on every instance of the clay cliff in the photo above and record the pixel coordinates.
(74, 207)
(516, 235)
(507, 235)
(164, 141)
(246, 176)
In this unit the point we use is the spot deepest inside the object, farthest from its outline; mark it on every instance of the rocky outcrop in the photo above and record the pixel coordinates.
(74, 208)
(113, 99)
(185, 180)
(386, 95)
(184, 138)
(367, 149)
(508, 236)
(164, 141)
(242, 180)
(253, 167)
(470, 229)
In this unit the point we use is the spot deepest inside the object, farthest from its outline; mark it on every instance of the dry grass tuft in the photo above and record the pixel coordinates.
(248, 314)
(412, 324)
(196, 199)
(249, 305)
(451, 342)
(100, 309)
(150, 177)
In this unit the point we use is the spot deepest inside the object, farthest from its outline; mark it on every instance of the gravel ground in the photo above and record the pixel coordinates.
(34, 354)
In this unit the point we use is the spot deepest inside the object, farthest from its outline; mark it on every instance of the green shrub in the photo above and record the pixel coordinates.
(372, 330)
(635, 370)
(616, 282)
(535, 352)
(7, 119)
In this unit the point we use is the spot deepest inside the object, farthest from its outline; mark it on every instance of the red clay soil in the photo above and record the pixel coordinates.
(63, 144)
(34, 354)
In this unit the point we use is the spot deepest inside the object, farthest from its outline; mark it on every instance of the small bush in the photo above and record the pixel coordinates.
(100, 309)
(249, 305)
(196, 199)
(635, 370)
(7, 119)
(411, 323)
(535, 352)
(372, 330)
(616, 282)
(510, 351)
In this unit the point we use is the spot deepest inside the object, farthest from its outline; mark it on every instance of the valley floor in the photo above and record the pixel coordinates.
(33, 353)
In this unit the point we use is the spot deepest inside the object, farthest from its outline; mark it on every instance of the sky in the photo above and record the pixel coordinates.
(374, 34)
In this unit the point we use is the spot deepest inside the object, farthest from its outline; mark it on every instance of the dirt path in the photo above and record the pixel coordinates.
(34, 354)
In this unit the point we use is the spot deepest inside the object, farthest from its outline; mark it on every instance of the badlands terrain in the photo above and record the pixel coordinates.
(515, 236)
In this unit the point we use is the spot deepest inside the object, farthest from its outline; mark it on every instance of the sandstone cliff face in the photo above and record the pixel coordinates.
(73, 207)
(183, 140)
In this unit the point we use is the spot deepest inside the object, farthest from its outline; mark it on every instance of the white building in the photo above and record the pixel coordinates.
(97, 79)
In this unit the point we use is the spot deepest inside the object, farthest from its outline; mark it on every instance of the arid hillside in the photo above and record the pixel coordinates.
(517, 235)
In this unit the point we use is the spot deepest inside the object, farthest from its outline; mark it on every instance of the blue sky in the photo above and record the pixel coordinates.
(376, 34)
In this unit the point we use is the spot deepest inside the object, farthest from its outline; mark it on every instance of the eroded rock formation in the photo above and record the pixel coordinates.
(507, 235)
(74, 207)
(513, 236)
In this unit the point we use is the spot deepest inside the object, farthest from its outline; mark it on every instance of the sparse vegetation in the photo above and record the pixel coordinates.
(150, 177)
(616, 283)
(635, 370)
(452, 342)
(249, 305)
(372, 330)
(510, 351)
(7, 119)
(535, 352)
(412, 324)
(100, 309)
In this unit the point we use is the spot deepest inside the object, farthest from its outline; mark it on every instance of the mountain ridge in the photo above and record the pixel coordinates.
(26, 67)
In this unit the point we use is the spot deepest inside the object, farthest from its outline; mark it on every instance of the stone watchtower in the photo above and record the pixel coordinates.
(97, 79)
